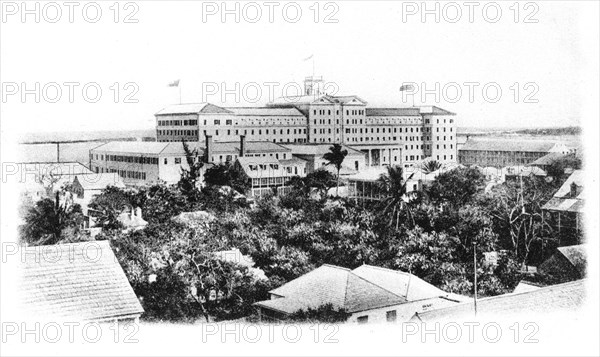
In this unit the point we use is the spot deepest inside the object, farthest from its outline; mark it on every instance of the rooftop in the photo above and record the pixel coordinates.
(563, 201)
(176, 148)
(334, 285)
(550, 299)
(364, 288)
(265, 111)
(576, 255)
(317, 149)
(82, 282)
(192, 108)
(508, 145)
(99, 181)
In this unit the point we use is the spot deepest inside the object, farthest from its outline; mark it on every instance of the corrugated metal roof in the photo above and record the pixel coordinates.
(78, 282)
(562, 199)
(508, 145)
(550, 299)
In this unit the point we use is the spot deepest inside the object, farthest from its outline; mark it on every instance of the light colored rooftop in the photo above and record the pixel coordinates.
(551, 299)
(82, 281)
(508, 145)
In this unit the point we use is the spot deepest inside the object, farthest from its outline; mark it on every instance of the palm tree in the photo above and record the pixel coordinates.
(335, 157)
(430, 166)
(397, 198)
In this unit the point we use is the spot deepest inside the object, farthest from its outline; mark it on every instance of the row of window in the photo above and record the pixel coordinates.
(264, 121)
(193, 133)
(129, 159)
(136, 175)
(190, 122)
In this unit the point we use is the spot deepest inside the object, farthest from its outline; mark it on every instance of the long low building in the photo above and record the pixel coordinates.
(139, 163)
(502, 153)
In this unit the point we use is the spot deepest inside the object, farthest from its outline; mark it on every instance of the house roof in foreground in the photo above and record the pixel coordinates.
(550, 299)
(364, 288)
(333, 285)
(77, 282)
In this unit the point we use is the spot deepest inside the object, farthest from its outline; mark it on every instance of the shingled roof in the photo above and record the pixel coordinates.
(550, 299)
(77, 282)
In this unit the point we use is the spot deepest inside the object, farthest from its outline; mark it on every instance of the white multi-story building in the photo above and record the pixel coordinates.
(386, 136)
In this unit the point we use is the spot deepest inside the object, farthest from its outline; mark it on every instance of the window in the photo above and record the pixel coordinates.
(178, 160)
(362, 319)
(390, 316)
(166, 161)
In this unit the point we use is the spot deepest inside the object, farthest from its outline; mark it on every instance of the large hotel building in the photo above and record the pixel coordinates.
(290, 135)
(387, 136)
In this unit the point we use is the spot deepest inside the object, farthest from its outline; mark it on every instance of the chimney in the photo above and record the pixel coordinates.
(242, 145)
(209, 148)
(138, 212)
(573, 190)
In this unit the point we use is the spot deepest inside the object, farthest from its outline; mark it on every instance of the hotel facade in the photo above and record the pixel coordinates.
(386, 136)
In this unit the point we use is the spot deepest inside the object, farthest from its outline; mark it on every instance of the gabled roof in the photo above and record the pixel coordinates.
(400, 283)
(315, 99)
(99, 181)
(576, 255)
(134, 147)
(550, 299)
(548, 159)
(192, 108)
(333, 285)
(76, 282)
(508, 145)
(562, 200)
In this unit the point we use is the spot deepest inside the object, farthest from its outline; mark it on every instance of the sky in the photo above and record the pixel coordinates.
(542, 68)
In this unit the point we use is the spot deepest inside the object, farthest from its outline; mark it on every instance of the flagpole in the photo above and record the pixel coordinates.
(179, 85)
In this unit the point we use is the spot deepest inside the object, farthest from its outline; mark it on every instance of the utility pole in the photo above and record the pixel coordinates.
(475, 275)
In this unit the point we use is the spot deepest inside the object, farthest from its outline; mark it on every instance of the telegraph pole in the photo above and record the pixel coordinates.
(475, 275)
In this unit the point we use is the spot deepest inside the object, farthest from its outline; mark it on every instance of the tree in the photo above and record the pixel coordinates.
(322, 180)
(326, 313)
(46, 221)
(107, 206)
(188, 183)
(456, 187)
(335, 157)
(430, 166)
(396, 197)
(227, 175)
(516, 208)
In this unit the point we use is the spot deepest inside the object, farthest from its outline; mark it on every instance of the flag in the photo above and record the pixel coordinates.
(174, 83)
(406, 87)
(309, 57)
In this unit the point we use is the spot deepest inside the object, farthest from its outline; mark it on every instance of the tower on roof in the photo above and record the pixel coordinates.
(313, 85)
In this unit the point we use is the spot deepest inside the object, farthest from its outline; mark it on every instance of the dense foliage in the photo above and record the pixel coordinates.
(437, 235)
